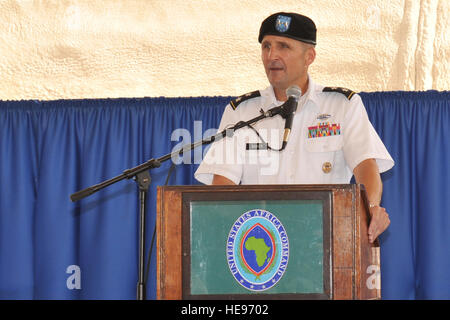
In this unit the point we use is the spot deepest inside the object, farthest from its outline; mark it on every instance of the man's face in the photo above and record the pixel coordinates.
(286, 61)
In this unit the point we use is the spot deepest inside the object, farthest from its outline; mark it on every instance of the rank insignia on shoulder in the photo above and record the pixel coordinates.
(346, 92)
(235, 102)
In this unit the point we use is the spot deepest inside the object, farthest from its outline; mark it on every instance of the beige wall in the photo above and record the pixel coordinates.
(53, 49)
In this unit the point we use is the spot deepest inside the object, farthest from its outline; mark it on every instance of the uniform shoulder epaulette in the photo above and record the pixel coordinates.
(235, 102)
(346, 92)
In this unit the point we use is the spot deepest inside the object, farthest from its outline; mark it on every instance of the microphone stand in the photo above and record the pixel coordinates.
(142, 177)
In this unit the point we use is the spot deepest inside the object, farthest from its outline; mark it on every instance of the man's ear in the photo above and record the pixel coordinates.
(310, 55)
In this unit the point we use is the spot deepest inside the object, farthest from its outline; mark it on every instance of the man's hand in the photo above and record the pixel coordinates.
(378, 223)
(221, 180)
(367, 174)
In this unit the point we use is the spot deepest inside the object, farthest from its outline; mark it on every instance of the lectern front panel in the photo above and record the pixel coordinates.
(271, 244)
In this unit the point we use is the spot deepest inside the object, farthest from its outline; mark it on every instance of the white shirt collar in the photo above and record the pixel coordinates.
(269, 99)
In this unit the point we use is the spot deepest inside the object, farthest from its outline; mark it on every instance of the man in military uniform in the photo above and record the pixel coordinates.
(331, 140)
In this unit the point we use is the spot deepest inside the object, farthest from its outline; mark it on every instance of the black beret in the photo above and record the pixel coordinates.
(291, 25)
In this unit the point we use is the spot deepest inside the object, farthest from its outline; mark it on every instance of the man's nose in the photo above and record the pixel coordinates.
(273, 54)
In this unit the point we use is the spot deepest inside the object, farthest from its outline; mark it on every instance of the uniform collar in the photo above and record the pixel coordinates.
(311, 96)
(269, 99)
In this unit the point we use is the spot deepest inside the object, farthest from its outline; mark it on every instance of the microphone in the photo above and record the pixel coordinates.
(289, 107)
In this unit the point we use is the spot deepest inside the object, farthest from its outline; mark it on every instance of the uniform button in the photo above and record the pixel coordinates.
(326, 167)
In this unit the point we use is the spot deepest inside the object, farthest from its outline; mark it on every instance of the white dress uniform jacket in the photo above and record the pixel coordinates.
(331, 134)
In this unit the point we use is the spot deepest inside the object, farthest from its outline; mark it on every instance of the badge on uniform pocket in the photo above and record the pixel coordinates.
(323, 116)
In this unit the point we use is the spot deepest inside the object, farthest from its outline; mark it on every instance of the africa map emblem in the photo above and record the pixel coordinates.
(257, 250)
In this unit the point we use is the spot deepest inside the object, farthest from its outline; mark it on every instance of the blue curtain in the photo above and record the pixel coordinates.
(415, 253)
(51, 248)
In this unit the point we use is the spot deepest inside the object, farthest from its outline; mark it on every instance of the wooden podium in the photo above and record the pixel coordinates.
(341, 260)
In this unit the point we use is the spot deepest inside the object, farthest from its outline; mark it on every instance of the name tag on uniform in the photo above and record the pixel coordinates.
(324, 129)
(257, 146)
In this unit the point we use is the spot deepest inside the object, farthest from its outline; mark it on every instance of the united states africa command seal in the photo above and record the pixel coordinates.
(257, 250)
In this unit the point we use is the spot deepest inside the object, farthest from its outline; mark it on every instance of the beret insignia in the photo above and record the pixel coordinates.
(235, 102)
(282, 23)
(346, 92)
